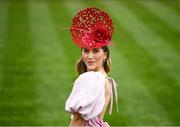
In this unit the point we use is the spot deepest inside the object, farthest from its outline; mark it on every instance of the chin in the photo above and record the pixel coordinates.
(91, 68)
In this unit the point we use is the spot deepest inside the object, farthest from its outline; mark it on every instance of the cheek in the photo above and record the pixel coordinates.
(83, 56)
(99, 58)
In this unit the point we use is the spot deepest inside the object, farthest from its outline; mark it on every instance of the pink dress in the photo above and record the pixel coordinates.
(88, 97)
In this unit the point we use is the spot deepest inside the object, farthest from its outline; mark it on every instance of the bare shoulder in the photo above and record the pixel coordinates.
(107, 87)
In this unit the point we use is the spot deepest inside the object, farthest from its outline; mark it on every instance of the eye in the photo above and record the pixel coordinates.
(95, 50)
(85, 50)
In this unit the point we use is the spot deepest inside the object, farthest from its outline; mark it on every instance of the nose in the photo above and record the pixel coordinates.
(90, 55)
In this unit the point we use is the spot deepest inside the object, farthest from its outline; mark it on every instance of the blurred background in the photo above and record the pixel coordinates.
(37, 60)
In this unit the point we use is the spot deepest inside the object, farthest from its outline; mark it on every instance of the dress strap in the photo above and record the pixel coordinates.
(113, 86)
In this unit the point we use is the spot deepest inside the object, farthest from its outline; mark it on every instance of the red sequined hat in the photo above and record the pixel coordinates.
(92, 28)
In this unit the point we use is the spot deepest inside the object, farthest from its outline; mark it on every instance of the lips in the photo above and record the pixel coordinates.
(90, 62)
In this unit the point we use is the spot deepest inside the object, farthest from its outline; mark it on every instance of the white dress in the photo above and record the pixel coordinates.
(88, 97)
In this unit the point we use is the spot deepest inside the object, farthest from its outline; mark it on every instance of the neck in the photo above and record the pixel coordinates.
(101, 70)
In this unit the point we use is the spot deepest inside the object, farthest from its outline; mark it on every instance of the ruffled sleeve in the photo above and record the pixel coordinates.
(88, 95)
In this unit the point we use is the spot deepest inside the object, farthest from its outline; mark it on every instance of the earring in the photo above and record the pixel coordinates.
(104, 60)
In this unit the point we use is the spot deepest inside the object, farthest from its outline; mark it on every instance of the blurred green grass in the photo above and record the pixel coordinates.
(37, 61)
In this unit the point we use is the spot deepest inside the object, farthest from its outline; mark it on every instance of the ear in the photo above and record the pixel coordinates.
(105, 55)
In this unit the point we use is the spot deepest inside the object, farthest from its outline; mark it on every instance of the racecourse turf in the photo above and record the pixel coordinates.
(37, 61)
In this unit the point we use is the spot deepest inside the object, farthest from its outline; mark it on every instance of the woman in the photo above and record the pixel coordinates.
(92, 92)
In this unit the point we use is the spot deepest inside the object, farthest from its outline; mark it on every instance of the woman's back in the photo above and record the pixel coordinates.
(77, 120)
(89, 112)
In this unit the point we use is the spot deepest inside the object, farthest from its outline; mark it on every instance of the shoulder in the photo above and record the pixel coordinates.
(91, 76)
(87, 96)
(91, 80)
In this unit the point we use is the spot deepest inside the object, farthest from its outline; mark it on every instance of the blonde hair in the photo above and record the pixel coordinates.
(81, 67)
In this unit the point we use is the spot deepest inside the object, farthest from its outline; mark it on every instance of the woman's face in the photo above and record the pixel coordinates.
(93, 58)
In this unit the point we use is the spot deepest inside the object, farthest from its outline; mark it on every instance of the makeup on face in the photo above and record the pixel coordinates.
(93, 58)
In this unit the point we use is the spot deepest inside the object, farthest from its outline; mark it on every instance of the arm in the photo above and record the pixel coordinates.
(85, 87)
(77, 120)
